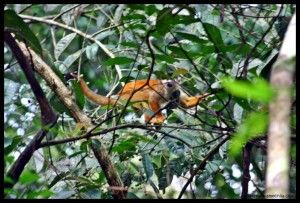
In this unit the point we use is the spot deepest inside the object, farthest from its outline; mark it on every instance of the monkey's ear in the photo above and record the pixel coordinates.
(70, 75)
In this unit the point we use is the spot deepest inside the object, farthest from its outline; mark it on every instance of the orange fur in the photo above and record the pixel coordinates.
(155, 93)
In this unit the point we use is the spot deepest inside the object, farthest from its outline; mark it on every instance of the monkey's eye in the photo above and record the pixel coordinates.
(169, 84)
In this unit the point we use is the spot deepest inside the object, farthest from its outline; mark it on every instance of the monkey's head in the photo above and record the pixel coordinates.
(170, 87)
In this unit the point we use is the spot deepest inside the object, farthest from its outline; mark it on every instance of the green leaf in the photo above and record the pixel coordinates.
(157, 160)
(9, 159)
(40, 194)
(165, 176)
(164, 21)
(130, 44)
(79, 96)
(62, 44)
(84, 145)
(16, 25)
(136, 6)
(8, 179)
(58, 105)
(200, 50)
(138, 26)
(186, 20)
(141, 67)
(118, 61)
(191, 37)
(213, 166)
(293, 152)
(127, 79)
(150, 9)
(259, 90)
(293, 120)
(148, 167)
(134, 16)
(225, 61)
(91, 52)
(214, 34)
(176, 52)
(38, 10)
(136, 137)
(58, 178)
(176, 168)
(224, 189)
(70, 60)
(45, 193)
(28, 177)
(168, 59)
(102, 35)
(264, 70)
(128, 148)
(243, 103)
(253, 126)
(238, 49)
(179, 71)
(15, 141)
(124, 146)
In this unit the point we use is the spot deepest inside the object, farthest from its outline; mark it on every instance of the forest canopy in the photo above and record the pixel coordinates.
(225, 97)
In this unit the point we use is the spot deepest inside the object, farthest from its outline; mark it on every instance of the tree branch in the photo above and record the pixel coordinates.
(202, 165)
(92, 134)
(87, 36)
(277, 176)
(47, 114)
(246, 63)
(110, 172)
(65, 96)
(246, 175)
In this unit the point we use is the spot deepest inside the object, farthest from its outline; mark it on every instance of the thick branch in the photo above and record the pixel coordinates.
(246, 173)
(47, 114)
(64, 94)
(110, 171)
(55, 83)
(277, 177)
(18, 166)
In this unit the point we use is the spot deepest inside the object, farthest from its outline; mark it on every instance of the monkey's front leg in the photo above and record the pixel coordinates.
(154, 104)
(189, 102)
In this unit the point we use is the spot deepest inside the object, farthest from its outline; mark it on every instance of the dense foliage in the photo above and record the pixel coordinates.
(226, 50)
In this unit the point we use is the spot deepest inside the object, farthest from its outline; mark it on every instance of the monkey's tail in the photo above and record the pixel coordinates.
(96, 98)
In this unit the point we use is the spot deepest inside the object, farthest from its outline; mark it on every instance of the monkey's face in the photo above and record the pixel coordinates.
(170, 87)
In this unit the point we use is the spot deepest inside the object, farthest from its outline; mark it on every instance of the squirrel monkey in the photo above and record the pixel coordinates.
(155, 93)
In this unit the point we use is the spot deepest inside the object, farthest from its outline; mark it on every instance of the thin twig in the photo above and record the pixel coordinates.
(202, 165)
(107, 130)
